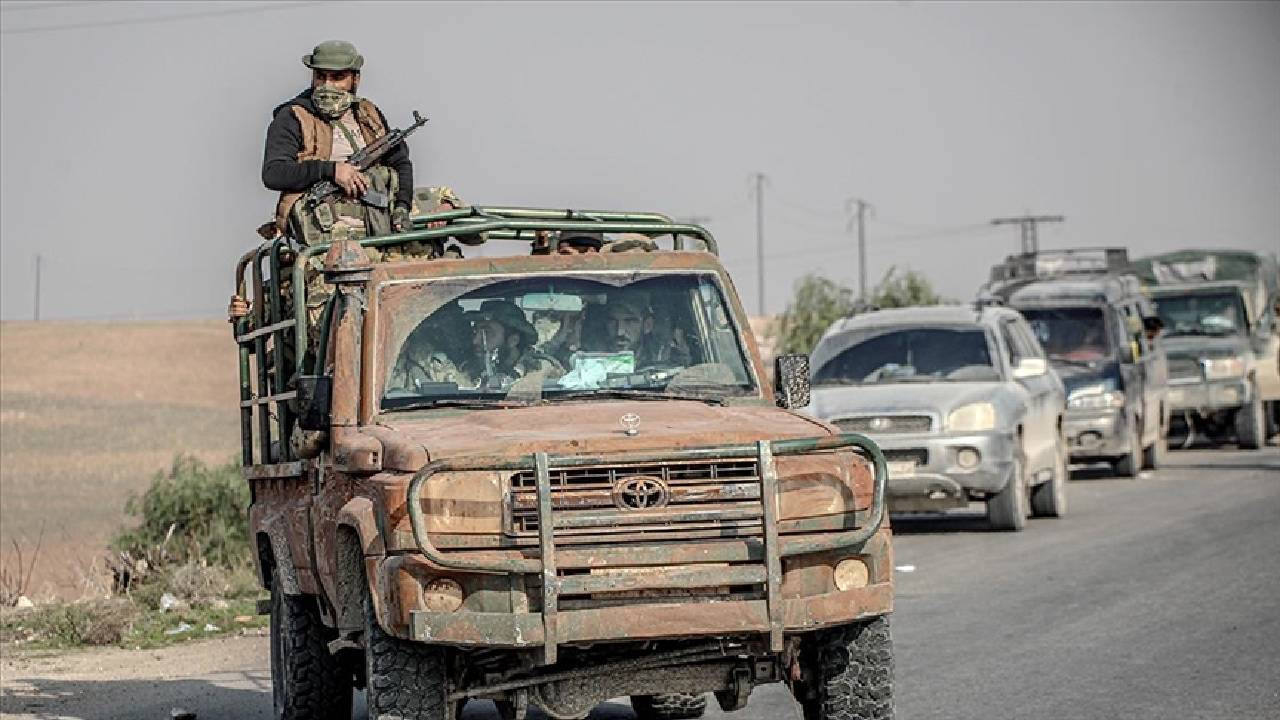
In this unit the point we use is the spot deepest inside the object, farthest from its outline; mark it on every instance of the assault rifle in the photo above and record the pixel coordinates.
(363, 159)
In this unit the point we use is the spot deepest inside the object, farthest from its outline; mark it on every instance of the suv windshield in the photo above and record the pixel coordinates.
(1202, 314)
(494, 340)
(920, 354)
(1073, 334)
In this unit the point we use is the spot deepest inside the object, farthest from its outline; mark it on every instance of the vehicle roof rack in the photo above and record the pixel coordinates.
(1049, 264)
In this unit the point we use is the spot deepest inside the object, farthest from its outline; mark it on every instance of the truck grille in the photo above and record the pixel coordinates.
(887, 424)
(1184, 368)
(718, 498)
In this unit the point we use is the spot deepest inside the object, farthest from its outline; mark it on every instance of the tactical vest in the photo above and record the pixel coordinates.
(317, 144)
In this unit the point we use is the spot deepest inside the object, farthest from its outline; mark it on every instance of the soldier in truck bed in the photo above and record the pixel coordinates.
(310, 139)
(312, 135)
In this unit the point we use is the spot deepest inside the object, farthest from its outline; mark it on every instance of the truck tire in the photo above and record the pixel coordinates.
(307, 682)
(671, 706)
(852, 672)
(406, 680)
(1129, 464)
(1251, 424)
(1049, 499)
(1007, 509)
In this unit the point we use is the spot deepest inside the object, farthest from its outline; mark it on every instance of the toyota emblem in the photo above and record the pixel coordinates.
(640, 492)
(880, 423)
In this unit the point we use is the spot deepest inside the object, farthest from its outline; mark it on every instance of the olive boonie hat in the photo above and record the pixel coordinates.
(334, 55)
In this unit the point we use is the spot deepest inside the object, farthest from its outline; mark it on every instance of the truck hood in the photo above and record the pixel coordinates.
(581, 427)
(1077, 376)
(1198, 346)
(941, 397)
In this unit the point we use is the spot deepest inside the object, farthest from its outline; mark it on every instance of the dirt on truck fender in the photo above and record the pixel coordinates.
(547, 481)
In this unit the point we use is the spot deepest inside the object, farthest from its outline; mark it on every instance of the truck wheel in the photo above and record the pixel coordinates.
(671, 706)
(406, 680)
(307, 682)
(1007, 510)
(852, 673)
(1049, 499)
(1129, 464)
(1250, 423)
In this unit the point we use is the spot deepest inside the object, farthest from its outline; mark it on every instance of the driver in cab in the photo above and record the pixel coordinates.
(629, 325)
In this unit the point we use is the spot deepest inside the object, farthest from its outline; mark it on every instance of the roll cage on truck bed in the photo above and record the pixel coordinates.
(811, 586)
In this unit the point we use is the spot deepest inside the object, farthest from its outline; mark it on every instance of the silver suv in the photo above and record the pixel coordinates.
(960, 399)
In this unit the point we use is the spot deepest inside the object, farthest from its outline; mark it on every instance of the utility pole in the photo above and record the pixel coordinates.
(759, 197)
(1027, 225)
(857, 207)
(37, 313)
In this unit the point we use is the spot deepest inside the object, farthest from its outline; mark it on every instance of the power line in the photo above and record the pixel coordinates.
(162, 19)
(23, 7)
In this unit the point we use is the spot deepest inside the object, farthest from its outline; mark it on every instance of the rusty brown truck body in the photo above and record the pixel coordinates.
(608, 520)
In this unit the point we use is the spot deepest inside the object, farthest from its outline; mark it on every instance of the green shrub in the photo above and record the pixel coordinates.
(191, 514)
(97, 622)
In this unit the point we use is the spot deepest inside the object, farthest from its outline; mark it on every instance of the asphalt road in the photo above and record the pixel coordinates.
(1155, 598)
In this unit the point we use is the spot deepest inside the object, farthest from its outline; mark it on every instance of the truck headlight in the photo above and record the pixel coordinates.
(1095, 397)
(1219, 368)
(974, 417)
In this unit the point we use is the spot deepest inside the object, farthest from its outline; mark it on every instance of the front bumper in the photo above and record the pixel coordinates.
(1209, 395)
(766, 565)
(1095, 433)
(809, 602)
(925, 470)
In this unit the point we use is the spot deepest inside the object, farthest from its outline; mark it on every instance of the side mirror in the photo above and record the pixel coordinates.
(791, 381)
(312, 402)
(1030, 367)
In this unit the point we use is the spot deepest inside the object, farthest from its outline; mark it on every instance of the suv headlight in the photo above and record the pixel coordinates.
(974, 417)
(1095, 397)
(1219, 368)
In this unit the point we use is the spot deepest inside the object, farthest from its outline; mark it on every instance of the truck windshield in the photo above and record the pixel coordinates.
(919, 354)
(1217, 314)
(496, 340)
(1071, 334)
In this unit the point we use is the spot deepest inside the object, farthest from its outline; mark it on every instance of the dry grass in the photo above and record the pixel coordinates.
(90, 412)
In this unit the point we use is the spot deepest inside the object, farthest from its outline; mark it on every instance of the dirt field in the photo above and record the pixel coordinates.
(89, 412)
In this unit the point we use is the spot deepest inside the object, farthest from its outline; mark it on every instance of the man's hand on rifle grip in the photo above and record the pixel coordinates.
(349, 178)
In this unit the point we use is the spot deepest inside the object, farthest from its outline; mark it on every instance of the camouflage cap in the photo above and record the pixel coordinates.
(334, 55)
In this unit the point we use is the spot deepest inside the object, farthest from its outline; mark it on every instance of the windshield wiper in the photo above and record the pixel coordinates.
(630, 394)
(480, 403)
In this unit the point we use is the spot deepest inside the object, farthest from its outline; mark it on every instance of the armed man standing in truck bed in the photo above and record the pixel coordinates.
(312, 136)
(310, 140)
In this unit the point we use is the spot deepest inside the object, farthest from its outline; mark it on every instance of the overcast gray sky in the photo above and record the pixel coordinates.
(131, 133)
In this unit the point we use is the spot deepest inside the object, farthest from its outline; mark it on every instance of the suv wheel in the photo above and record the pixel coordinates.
(1129, 464)
(852, 671)
(1007, 509)
(671, 706)
(307, 682)
(406, 680)
(1049, 499)
(1250, 423)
